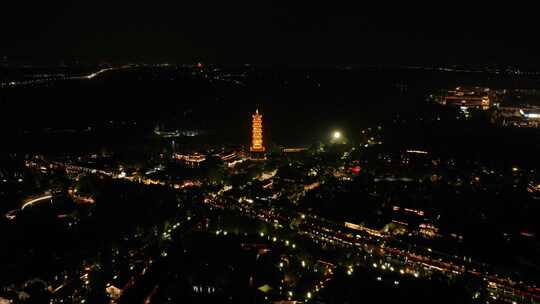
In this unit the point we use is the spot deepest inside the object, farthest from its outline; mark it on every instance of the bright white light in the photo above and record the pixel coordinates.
(336, 135)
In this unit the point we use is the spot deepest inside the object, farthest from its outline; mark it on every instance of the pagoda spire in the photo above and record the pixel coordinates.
(257, 144)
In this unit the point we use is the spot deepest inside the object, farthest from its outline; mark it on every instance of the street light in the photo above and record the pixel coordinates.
(336, 135)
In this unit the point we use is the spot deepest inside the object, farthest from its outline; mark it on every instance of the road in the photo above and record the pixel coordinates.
(413, 260)
(36, 200)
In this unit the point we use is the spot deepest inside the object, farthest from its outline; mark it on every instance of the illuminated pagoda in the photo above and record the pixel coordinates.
(257, 144)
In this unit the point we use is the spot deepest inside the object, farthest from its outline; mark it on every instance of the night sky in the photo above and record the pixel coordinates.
(267, 32)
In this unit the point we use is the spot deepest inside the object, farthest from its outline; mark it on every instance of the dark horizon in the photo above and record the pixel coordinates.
(268, 33)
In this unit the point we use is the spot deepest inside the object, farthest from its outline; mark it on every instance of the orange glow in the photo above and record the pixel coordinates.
(257, 133)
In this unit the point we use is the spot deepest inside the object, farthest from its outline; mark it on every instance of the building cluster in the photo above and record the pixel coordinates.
(397, 189)
(468, 98)
(192, 160)
(521, 116)
(231, 158)
(509, 107)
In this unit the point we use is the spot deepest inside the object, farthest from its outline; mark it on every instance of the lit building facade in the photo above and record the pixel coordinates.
(521, 116)
(191, 160)
(477, 98)
(468, 100)
(257, 144)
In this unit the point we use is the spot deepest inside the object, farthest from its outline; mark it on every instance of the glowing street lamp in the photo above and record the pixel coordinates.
(337, 137)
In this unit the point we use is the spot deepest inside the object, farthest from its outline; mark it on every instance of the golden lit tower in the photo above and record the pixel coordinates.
(257, 133)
